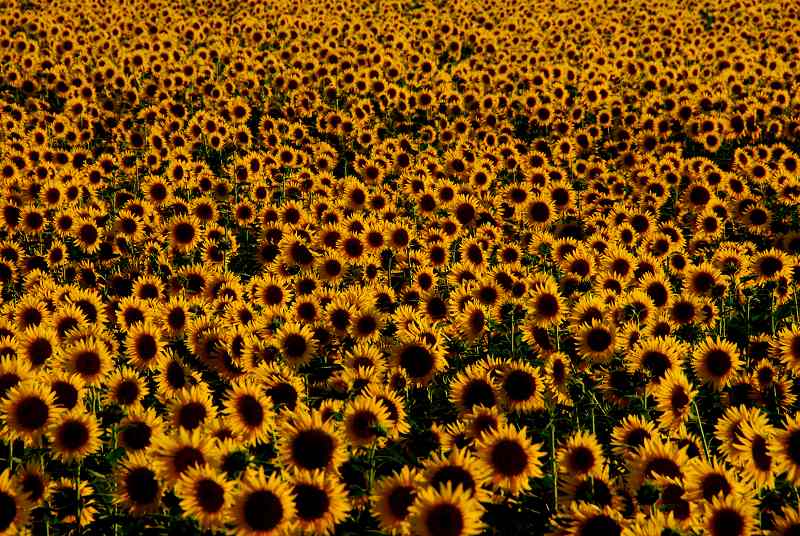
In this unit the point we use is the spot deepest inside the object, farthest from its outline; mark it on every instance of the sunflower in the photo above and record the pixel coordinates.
(282, 385)
(34, 481)
(306, 310)
(67, 318)
(192, 407)
(38, 346)
(366, 322)
(28, 410)
(74, 435)
(753, 451)
(72, 502)
(656, 457)
(418, 359)
(545, 306)
(30, 312)
(144, 345)
(87, 235)
(581, 455)
(91, 305)
(366, 355)
(69, 389)
(473, 322)
(173, 375)
(672, 498)
(704, 280)
(473, 387)
(787, 523)
(137, 431)
(452, 436)
(126, 388)
(483, 420)
(234, 457)
(715, 362)
(206, 495)
(8, 348)
(331, 266)
(184, 234)
(785, 449)
(249, 412)
(296, 342)
(521, 387)
(365, 421)
(673, 396)
(445, 511)
(685, 309)
(787, 347)
(596, 341)
(706, 479)
(458, 469)
(130, 225)
(14, 504)
(596, 489)
(556, 373)
(728, 429)
(770, 265)
(139, 488)
(392, 498)
(308, 442)
(589, 519)
(539, 212)
(8, 271)
(177, 453)
(731, 515)
(133, 310)
(296, 252)
(13, 371)
(395, 406)
(631, 434)
(655, 358)
(271, 292)
(512, 457)
(262, 506)
(320, 501)
(632, 306)
(740, 392)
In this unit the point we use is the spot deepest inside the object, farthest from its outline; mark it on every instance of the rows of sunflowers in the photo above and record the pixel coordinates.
(362, 267)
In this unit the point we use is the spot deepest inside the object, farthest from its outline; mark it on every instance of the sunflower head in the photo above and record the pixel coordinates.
(262, 505)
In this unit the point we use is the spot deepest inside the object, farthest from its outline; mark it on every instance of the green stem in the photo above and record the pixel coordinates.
(555, 465)
(700, 424)
(796, 308)
(371, 477)
(78, 495)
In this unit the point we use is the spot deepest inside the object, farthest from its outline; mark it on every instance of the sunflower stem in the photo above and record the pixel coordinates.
(371, 476)
(553, 460)
(558, 340)
(78, 499)
(513, 325)
(700, 424)
(796, 308)
(772, 311)
(747, 325)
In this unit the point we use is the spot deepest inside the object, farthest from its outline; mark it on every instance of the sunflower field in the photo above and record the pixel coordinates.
(400, 267)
